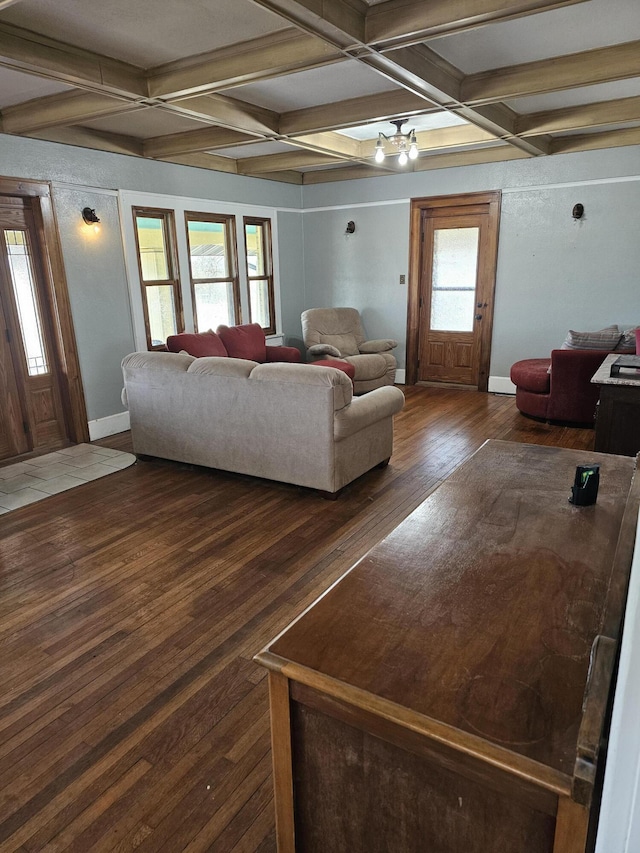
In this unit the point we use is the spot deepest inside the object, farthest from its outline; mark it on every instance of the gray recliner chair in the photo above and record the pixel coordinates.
(336, 333)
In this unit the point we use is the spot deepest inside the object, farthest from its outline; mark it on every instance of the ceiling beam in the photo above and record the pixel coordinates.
(580, 117)
(203, 161)
(352, 112)
(63, 109)
(26, 51)
(570, 71)
(4, 4)
(396, 22)
(433, 161)
(258, 59)
(229, 112)
(284, 161)
(592, 141)
(161, 147)
(89, 138)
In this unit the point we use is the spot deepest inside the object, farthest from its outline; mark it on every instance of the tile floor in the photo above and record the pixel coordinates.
(37, 478)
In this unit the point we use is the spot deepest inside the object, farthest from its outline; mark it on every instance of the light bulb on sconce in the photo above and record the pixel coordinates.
(90, 218)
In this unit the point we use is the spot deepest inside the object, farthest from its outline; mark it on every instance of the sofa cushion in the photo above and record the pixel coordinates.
(605, 339)
(246, 341)
(198, 345)
(532, 374)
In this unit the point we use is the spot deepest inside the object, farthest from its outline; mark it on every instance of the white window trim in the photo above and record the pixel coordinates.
(179, 204)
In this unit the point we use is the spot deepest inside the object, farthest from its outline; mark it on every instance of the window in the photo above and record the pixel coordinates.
(162, 304)
(24, 291)
(214, 277)
(257, 236)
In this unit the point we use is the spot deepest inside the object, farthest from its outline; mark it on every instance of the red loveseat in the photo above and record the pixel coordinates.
(563, 394)
(246, 341)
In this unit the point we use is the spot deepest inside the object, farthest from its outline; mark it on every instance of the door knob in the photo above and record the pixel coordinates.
(478, 316)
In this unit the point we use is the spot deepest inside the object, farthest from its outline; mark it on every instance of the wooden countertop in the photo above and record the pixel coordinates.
(479, 611)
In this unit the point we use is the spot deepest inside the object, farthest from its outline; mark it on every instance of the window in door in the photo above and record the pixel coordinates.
(162, 303)
(454, 274)
(26, 300)
(257, 235)
(213, 267)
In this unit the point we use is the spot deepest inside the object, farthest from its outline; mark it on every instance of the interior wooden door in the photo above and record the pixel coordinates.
(452, 289)
(34, 417)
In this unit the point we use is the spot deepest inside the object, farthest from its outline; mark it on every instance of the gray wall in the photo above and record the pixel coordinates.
(361, 270)
(95, 268)
(553, 273)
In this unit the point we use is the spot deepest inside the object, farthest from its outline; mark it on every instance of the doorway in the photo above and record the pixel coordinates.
(454, 243)
(39, 375)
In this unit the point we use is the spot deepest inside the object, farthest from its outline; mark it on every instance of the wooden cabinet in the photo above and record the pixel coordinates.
(449, 693)
(618, 417)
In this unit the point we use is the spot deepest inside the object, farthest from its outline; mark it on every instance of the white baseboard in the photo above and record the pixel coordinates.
(501, 385)
(400, 376)
(112, 424)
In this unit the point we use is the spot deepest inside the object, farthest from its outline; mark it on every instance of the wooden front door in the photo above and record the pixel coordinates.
(33, 417)
(452, 289)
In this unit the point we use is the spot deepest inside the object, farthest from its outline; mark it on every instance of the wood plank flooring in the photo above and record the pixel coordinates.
(132, 716)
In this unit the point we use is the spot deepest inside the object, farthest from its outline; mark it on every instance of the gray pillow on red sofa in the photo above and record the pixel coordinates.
(605, 339)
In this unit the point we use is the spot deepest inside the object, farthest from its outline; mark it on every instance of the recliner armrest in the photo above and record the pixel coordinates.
(382, 345)
(318, 350)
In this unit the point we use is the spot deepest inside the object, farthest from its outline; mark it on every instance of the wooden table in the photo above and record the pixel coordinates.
(432, 699)
(618, 421)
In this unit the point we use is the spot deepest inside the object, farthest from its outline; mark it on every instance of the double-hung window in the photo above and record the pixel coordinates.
(156, 248)
(213, 266)
(257, 238)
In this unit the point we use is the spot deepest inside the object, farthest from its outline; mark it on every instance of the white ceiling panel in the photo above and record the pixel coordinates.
(145, 34)
(326, 85)
(144, 123)
(597, 23)
(430, 121)
(16, 87)
(258, 149)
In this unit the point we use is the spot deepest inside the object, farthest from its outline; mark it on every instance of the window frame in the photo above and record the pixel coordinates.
(267, 249)
(228, 221)
(167, 216)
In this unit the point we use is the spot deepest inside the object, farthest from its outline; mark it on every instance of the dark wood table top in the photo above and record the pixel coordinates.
(480, 609)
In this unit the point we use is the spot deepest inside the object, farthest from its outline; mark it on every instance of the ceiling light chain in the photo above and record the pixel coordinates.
(406, 143)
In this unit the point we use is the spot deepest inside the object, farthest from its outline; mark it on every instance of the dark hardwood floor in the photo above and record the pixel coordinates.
(132, 716)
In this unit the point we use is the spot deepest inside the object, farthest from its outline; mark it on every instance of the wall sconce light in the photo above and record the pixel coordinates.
(351, 227)
(90, 218)
(578, 211)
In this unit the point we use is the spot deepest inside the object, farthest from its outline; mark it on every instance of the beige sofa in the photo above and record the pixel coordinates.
(291, 422)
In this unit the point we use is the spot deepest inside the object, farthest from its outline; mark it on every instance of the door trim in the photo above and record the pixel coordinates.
(420, 207)
(61, 322)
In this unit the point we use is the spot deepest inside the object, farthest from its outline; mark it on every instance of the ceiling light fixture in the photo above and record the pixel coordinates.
(405, 143)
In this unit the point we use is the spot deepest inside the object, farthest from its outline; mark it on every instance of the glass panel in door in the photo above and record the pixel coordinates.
(454, 275)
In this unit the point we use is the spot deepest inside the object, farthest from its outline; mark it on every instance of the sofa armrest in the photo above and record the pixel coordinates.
(281, 353)
(318, 350)
(572, 367)
(375, 406)
(382, 345)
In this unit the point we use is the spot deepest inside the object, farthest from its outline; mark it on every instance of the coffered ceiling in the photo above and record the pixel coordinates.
(297, 90)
